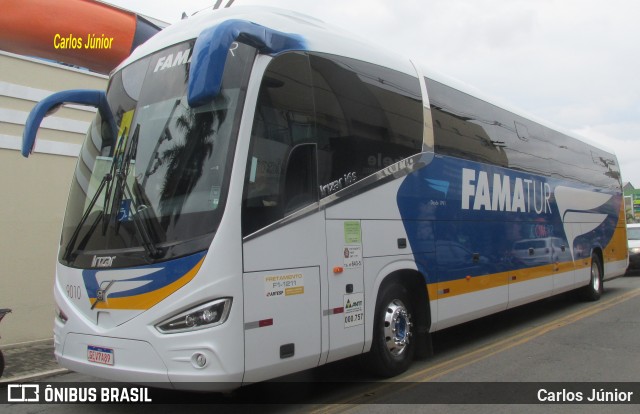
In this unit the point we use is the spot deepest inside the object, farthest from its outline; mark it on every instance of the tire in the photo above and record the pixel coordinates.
(594, 289)
(394, 340)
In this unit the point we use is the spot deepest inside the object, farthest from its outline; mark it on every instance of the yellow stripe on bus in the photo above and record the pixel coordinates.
(149, 299)
(472, 284)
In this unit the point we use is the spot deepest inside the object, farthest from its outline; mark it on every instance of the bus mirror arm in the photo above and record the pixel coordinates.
(214, 46)
(50, 104)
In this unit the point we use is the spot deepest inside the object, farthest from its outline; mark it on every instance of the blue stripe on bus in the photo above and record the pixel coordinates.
(451, 242)
(157, 276)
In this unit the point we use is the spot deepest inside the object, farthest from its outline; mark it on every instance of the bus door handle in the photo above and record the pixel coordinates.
(476, 257)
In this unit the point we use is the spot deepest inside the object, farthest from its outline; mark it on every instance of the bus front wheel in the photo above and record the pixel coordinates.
(393, 342)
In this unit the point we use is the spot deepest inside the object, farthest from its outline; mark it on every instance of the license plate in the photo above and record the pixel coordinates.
(100, 355)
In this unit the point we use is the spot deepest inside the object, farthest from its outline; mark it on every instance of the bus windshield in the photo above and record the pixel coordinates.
(154, 188)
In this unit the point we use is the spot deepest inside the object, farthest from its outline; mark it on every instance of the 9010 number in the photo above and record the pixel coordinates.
(73, 291)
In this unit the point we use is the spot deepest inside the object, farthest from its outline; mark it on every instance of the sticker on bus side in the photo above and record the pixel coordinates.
(353, 310)
(352, 257)
(352, 233)
(284, 285)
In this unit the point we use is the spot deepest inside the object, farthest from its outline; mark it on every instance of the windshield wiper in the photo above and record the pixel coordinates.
(113, 172)
(105, 182)
(140, 218)
(118, 188)
(122, 190)
(72, 241)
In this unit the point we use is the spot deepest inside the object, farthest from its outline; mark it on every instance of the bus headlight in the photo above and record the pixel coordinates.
(203, 316)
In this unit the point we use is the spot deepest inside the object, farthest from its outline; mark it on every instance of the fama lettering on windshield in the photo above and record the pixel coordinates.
(505, 193)
(173, 59)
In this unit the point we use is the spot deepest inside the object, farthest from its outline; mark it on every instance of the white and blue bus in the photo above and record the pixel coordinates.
(259, 194)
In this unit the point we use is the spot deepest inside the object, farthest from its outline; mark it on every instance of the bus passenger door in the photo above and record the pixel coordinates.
(346, 289)
(283, 228)
(281, 321)
(284, 253)
(282, 290)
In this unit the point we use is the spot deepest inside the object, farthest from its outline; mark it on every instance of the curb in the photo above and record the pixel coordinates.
(34, 377)
(26, 344)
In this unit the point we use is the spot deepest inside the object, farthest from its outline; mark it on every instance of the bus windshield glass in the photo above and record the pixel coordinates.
(151, 185)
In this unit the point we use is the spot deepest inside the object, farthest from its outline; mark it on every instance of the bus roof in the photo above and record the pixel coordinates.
(318, 35)
(324, 38)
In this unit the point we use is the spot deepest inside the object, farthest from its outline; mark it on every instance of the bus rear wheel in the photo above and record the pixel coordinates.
(393, 339)
(594, 289)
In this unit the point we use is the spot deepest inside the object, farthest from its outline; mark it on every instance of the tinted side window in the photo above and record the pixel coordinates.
(368, 117)
(321, 124)
(470, 128)
(577, 161)
(524, 142)
(283, 120)
(464, 126)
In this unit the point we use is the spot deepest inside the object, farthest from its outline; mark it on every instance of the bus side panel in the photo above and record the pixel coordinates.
(529, 290)
(582, 273)
(384, 249)
(616, 253)
(502, 236)
(454, 310)
(282, 322)
(345, 288)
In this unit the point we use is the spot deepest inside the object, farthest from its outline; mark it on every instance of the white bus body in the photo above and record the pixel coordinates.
(260, 195)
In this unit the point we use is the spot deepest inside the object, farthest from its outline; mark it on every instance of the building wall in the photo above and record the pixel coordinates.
(34, 190)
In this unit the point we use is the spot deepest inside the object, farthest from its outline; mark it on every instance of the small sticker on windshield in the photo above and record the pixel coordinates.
(124, 214)
(254, 169)
(214, 196)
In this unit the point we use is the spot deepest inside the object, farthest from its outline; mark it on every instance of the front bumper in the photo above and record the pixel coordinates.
(138, 362)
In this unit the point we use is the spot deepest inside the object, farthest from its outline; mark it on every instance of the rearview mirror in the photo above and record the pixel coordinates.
(212, 46)
(50, 104)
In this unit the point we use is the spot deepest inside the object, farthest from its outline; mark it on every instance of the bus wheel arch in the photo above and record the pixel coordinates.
(401, 324)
